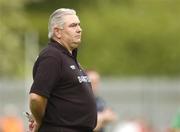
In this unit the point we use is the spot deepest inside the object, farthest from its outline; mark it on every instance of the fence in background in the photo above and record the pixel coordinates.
(156, 100)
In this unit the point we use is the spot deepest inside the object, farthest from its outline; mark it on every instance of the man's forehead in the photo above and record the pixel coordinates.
(71, 19)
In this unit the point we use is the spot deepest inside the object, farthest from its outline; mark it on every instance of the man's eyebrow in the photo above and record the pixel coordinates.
(75, 23)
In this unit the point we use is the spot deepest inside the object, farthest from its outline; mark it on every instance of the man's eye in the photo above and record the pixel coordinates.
(73, 25)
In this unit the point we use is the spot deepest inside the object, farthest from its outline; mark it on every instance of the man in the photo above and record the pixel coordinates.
(105, 114)
(61, 97)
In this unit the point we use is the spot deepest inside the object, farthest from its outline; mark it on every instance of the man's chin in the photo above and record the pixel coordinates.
(77, 42)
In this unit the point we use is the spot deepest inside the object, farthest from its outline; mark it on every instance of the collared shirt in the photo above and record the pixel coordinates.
(59, 77)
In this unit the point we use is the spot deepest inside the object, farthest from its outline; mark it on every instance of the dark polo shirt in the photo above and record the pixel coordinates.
(58, 77)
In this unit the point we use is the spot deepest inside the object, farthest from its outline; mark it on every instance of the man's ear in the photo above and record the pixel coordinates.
(57, 32)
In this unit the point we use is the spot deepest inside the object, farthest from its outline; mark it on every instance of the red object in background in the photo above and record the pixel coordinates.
(11, 124)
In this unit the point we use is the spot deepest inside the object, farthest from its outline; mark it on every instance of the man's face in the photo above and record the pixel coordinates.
(71, 32)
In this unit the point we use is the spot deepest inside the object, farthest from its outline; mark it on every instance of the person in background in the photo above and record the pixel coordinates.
(133, 125)
(105, 113)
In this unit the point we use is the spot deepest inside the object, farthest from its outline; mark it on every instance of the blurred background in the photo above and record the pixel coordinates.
(133, 44)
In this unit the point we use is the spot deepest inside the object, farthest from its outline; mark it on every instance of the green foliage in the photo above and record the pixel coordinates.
(137, 39)
(126, 38)
(12, 23)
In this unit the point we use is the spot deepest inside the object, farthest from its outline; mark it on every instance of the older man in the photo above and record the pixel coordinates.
(61, 97)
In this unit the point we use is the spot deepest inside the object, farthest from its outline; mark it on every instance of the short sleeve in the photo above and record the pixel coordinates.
(46, 76)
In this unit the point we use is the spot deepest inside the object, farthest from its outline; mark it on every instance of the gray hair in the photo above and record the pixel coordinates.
(56, 19)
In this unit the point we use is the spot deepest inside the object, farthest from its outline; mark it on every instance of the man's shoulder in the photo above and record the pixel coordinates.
(49, 50)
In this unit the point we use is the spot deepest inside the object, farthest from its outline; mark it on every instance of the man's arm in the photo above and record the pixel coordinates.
(105, 117)
(37, 107)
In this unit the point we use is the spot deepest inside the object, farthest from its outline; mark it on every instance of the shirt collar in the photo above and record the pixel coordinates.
(56, 44)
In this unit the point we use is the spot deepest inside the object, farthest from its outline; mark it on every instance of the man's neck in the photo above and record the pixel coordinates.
(63, 44)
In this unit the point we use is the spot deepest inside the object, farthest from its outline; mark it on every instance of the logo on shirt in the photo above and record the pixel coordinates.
(83, 79)
(72, 67)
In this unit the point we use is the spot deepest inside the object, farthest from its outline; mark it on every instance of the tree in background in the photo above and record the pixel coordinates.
(13, 24)
(126, 37)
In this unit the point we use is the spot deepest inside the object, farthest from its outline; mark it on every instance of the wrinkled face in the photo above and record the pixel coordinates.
(70, 35)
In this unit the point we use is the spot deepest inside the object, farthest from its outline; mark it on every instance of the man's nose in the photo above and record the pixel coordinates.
(79, 29)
